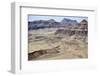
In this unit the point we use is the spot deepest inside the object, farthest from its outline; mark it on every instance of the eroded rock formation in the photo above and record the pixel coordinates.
(41, 52)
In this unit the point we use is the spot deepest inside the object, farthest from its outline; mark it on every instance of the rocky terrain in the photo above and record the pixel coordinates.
(40, 24)
(49, 39)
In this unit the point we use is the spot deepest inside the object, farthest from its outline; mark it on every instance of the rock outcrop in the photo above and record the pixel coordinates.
(78, 30)
(38, 53)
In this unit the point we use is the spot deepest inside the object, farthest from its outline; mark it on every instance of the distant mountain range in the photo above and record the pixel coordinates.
(41, 24)
(69, 21)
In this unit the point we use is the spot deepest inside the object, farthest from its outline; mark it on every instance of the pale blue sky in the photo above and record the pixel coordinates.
(57, 18)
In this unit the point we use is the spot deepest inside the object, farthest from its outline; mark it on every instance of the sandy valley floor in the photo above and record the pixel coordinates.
(69, 48)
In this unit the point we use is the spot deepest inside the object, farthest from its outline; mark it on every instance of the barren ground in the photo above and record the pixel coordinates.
(69, 47)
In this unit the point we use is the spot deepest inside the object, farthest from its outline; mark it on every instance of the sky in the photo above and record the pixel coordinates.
(57, 18)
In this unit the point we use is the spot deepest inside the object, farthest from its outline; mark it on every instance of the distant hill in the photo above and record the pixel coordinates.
(41, 24)
(69, 21)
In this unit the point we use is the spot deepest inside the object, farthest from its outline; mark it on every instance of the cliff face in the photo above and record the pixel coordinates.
(72, 32)
(80, 29)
